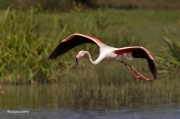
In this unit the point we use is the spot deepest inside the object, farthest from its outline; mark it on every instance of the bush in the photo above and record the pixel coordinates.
(25, 46)
(169, 61)
(23, 51)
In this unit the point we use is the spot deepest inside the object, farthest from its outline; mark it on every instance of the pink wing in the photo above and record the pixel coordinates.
(71, 42)
(140, 52)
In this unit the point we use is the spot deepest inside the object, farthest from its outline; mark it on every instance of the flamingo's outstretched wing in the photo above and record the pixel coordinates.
(140, 52)
(72, 41)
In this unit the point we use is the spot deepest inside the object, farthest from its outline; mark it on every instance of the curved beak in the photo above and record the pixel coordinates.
(77, 60)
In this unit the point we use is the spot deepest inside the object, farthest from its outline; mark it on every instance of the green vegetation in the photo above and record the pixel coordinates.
(22, 48)
(170, 60)
(28, 38)
(25, 46)
(88, 94)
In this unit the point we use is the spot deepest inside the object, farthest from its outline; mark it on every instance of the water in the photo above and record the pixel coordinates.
(40, 102)
(165, 112)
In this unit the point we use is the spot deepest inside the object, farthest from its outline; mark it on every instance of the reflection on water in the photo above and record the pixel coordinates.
(44, 102)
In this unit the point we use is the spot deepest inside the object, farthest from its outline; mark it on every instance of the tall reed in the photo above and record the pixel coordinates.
(169, 61)
(25, 45)
(23, 50)
(73, 94)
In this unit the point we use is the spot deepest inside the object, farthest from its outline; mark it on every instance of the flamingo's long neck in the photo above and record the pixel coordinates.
(99, 59)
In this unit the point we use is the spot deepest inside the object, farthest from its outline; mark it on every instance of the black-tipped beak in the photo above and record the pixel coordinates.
(76, 60)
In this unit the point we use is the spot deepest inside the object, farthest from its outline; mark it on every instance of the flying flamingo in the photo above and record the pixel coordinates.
(106, 52)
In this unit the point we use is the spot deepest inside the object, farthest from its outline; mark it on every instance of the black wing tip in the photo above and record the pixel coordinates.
(51, 57)
(139, 53)
(155, 72)
(153, 69)
(155, 77)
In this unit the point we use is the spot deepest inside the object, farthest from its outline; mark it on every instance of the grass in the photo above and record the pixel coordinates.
(21, 48)
(170, 60)
(27, 39)
(68, 94)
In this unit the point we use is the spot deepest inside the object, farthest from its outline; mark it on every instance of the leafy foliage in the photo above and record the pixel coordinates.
(169, 61)
(24, 47)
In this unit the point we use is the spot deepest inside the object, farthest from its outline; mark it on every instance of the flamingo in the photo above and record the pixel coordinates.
(106, 52)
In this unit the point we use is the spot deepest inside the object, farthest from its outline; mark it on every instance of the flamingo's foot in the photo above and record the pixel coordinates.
(140, 77)
(133, 71)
